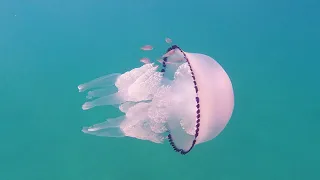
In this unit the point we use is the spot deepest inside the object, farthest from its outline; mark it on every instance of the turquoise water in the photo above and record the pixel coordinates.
(270, 50)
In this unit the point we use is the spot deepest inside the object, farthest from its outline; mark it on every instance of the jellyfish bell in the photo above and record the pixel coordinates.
(190, 106)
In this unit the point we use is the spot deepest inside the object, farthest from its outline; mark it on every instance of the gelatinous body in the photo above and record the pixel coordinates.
(188, 100)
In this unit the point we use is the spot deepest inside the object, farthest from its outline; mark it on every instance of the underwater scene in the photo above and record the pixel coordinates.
(153, 90)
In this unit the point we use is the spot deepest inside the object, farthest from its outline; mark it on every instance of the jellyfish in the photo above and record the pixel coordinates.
(186, 100)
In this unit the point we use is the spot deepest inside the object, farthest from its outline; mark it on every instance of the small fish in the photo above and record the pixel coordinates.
(171, 52)
(161, 61)
(147, 48)
(145, 60)
(168, 40)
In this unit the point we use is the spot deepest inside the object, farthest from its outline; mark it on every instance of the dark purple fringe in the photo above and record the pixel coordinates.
(197, 100)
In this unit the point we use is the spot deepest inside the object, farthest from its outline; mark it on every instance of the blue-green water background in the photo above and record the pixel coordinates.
(269, 48)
